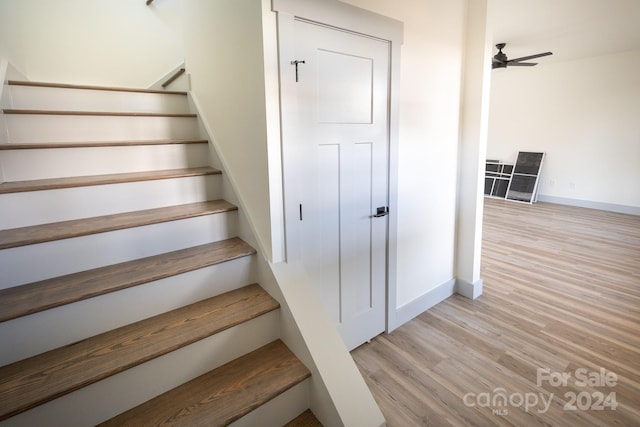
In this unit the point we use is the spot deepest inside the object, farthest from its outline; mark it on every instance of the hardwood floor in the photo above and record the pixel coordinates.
(561, 300)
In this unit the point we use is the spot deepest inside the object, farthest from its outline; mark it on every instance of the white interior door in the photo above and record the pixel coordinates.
(341, 141)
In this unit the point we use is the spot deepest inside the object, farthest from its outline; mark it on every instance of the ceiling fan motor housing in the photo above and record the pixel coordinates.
(500, 59)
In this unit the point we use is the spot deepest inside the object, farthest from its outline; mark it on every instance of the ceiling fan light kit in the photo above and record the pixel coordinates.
(500, 60)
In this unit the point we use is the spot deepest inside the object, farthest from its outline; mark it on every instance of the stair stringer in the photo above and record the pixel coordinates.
(338, 394)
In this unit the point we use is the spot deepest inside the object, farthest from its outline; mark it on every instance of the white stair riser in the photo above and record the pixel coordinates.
(59, 326)
(25, 165)
(31, 263)
(45, 98)
(111, 396)
(280, 410)
(54, 128)
(41, 207)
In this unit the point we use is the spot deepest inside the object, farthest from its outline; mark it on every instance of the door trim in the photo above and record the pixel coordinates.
(351, 19)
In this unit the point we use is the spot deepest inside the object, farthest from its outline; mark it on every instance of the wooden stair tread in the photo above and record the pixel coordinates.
(306, 419)
(117, 178)
(223, 395)
(22, 236)
(42, 295)
(92, 87)
(95, 113)
(90, 144)
(38, 379)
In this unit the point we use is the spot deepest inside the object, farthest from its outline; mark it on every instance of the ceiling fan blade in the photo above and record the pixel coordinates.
(521, 64)
(525, 58)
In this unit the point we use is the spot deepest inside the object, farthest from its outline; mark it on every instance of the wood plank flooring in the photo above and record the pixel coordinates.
(561, 297)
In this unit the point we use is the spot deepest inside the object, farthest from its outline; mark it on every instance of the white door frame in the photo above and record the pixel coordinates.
(353, 19)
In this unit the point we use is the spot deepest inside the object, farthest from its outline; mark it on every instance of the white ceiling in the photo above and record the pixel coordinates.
(571, 29)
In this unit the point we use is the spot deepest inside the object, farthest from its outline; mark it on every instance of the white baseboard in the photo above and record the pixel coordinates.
(422, 303)
(469, 290)
(433, 297)
(610, 207)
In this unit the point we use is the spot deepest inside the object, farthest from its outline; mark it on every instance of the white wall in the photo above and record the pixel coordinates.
(224, 54)
(114, 42)
(429, 123)
(10, 45)
(585, 115)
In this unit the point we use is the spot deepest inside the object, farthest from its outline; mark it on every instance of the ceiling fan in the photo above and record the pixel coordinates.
(500, 60)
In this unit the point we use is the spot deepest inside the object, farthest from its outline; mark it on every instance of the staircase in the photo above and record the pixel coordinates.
(126, 295)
